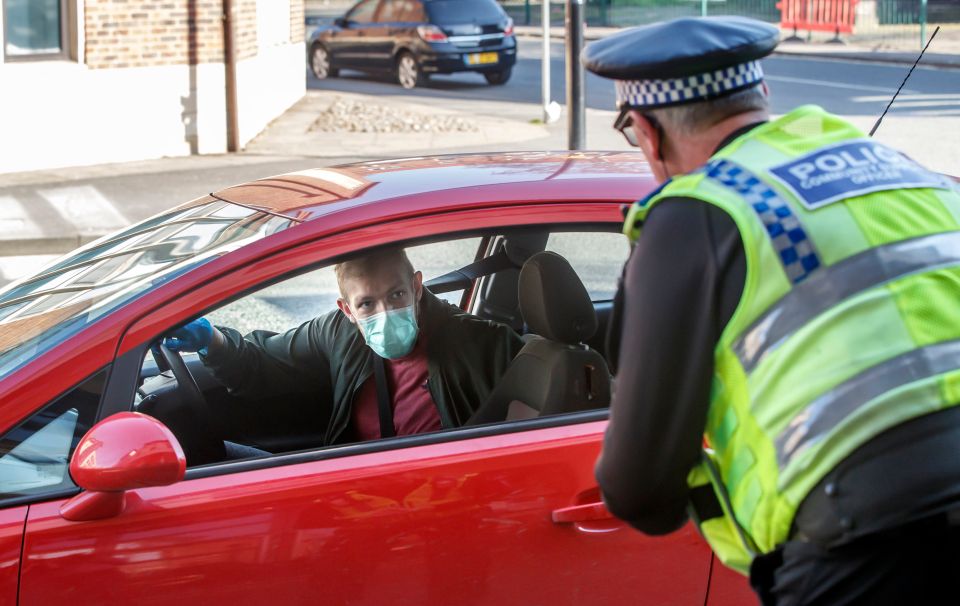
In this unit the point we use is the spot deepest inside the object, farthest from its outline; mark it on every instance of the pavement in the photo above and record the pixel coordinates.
(293, 131)
(79, 214)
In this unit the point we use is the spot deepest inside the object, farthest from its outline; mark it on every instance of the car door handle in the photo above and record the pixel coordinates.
(581, 513)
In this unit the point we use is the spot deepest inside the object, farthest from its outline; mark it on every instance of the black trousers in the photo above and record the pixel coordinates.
(918, 563)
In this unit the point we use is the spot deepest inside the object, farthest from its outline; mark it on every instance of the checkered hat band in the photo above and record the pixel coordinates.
(661, 93)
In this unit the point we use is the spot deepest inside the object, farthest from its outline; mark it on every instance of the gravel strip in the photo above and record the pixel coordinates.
(352, 116)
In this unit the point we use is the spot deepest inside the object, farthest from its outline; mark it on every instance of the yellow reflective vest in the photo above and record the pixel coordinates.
(848, 324)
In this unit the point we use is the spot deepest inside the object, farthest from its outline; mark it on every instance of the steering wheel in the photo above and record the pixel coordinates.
(193, 423)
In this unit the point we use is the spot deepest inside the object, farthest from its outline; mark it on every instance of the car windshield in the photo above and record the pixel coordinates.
(40, 312)
(464, 11)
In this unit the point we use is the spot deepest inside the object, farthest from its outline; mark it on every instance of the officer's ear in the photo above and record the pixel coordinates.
(649, 135)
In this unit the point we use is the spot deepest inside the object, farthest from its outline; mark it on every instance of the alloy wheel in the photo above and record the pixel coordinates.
(320, 62)
(408, 72)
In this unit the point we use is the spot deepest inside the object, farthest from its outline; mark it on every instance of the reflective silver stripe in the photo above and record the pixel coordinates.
(826, 412)
(831, 285)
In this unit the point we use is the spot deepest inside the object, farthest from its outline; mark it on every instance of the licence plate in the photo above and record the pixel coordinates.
(481, 58)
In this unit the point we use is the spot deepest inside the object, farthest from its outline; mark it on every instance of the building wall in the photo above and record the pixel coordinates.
(147, 80)
(245, 22)
(77, 116)
(145, 32)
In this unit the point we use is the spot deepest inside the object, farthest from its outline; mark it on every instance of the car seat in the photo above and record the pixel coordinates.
(554, 372)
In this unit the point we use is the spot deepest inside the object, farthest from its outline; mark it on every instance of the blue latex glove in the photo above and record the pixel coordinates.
(192, 336)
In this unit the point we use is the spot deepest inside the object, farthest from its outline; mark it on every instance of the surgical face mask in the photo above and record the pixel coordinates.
(391, 334)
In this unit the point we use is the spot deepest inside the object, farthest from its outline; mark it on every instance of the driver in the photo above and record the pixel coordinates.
(440, 363)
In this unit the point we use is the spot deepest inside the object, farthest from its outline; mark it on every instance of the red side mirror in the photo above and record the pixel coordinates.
(124, 451)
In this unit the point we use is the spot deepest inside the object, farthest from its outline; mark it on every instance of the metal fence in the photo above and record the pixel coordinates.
(882, 23)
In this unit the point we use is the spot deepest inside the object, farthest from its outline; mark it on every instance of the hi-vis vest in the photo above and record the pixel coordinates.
(849, 322)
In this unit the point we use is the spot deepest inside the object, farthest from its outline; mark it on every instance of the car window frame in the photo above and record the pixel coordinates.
(66, 491)
(373, 15)
(128, 363)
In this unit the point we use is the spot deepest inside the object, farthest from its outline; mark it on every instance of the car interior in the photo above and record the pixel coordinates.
(549, 285)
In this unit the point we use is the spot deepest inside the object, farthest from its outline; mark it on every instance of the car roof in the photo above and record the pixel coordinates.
(310, 194)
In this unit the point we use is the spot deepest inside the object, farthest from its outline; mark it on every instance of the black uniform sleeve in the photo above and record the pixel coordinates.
(680, 287)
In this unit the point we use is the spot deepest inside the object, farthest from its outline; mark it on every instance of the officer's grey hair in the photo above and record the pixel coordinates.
(693, 118)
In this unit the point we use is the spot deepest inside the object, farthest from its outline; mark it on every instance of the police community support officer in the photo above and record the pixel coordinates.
(794, 297)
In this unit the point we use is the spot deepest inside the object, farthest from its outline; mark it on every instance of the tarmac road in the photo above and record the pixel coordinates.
(845, 87)
(924, 122)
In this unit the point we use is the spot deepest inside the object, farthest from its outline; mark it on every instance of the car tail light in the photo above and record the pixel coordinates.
(508, 28)
(431, 33)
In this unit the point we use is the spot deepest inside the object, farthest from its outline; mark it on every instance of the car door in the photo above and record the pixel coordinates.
(381, 35)
(351, 46)
(11, 538)
(33, 467)
(468, 521)
(507, 513)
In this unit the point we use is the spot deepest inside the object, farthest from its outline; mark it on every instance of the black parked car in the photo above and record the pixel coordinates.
(415, 38)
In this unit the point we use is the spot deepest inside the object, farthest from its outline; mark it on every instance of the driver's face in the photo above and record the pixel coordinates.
(383, 288)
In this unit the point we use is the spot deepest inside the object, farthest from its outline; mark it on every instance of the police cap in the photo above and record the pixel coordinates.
(682, 60)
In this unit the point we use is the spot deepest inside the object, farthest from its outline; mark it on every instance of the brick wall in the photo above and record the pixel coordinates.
(133, 33)
(296, 21)
(245, 28)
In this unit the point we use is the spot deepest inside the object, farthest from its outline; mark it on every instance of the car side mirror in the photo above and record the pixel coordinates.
(125, 451)
(342, 22)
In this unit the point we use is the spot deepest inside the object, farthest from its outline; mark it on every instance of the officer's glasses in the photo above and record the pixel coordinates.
(624, 124)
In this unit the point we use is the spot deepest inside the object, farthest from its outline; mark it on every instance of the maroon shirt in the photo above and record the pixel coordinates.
(413, 408)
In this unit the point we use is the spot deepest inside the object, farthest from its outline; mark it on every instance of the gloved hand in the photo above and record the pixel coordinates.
(192, 336)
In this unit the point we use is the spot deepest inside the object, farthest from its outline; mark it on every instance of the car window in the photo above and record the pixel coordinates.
(464, 11)
(412, 11)
(294, 301)
(75, 291)
(286, 399)
(390, 11)
(597, 257)
(35, 456)
(363, 12)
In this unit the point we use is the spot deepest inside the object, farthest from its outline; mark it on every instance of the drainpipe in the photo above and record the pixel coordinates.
(230, 77)
(576, 137)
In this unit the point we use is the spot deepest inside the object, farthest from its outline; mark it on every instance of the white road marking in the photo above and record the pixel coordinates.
(917, 97)
(914, 100)
(933, 113)
(860, 87)
(15, 222)
(85, 208)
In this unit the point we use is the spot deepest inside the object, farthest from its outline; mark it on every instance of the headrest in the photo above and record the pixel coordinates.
(553, 300)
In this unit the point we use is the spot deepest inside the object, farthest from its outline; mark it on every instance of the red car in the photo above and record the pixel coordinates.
(100, 505)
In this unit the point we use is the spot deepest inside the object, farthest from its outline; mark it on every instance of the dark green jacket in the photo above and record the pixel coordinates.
(327, 360)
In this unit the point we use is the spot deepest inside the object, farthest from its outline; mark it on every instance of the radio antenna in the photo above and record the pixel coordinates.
(880, 119)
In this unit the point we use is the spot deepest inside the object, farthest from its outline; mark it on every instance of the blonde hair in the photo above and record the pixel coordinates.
(363, 264)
